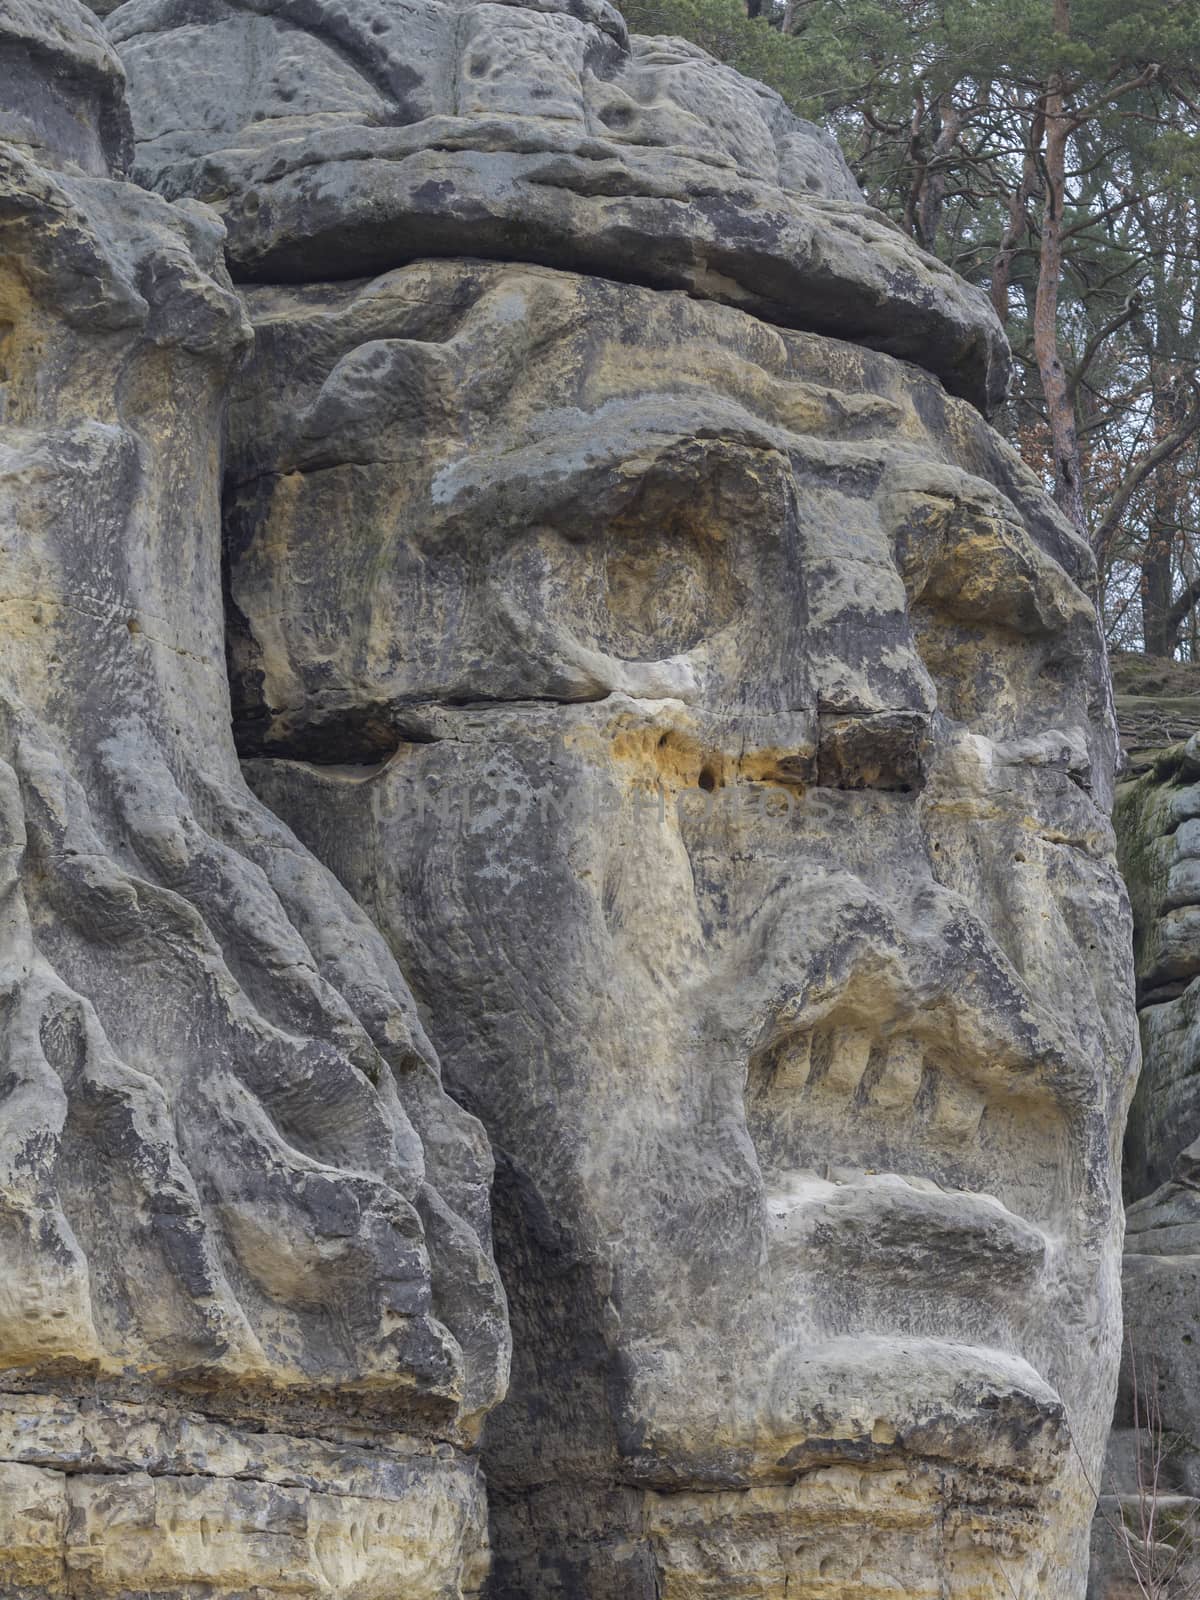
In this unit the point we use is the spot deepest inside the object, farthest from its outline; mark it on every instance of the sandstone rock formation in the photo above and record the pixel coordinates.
(249, 1322)
(713, 716)
(700, 706)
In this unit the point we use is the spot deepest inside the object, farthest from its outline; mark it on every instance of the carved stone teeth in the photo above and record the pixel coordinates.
(841, 1174)
(849, 1052)
(923, 1185)
(898, 1083)
(869, 1177)
(794, 1064)
(957, 1109)
(844, 1064)
(794, 1189)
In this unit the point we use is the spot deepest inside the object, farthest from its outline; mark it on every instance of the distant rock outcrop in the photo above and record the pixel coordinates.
(1157, 1425)
(1157, 703)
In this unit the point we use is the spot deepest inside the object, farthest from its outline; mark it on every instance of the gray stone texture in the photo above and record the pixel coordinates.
(344, 137)
(683, 687)
(247, 1303)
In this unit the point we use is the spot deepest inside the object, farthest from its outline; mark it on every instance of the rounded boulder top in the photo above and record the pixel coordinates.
(341, 138)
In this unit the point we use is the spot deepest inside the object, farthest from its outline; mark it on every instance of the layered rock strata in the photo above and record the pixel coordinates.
(249, 1320)
(343, 137)
(711, 713)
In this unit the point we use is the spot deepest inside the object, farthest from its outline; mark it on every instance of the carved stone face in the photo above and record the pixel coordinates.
(712, 719)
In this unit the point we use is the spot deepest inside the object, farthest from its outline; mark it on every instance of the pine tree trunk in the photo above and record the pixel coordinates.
(1060, 405)
(1158, 637)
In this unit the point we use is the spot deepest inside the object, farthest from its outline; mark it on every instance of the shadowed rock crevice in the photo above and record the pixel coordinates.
(1156, 1425)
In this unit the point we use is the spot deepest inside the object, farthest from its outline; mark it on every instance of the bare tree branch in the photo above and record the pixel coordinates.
(1137, 475)
(1092, 348)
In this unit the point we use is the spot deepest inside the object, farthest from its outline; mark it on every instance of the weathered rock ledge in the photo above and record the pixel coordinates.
(341, 139)
(107, 1500)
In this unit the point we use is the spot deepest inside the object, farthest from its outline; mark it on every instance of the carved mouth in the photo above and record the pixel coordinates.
(918, 1255)
(910, 1152)
(922, 1145)
(979, 1426)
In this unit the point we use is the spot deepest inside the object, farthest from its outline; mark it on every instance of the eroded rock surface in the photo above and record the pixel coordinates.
(340, 137)
(709, 713)
(249, 1321)
(714, 718)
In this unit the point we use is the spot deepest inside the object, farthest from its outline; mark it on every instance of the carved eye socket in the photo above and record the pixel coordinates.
(996, 619)
(645, 558)
(665, 592)
(669, 563)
